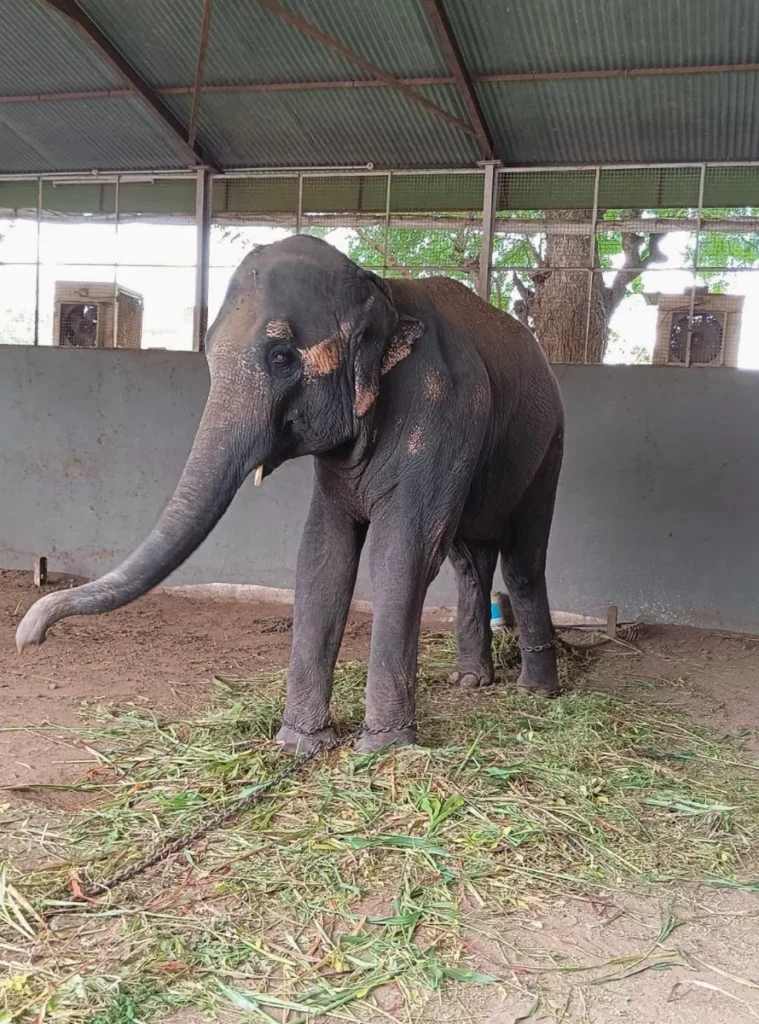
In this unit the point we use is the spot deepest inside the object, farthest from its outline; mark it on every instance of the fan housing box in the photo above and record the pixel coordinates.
(711, 339)
(96, 315)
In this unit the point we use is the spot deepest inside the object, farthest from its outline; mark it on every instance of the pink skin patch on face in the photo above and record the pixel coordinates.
(278, 329)
(322, 358)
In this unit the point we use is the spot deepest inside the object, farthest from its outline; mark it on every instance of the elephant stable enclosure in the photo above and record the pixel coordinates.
(656, 506)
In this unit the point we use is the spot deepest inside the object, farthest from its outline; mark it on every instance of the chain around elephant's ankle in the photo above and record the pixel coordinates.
(537, 648)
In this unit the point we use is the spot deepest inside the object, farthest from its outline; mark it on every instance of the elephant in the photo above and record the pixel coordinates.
(436, 427)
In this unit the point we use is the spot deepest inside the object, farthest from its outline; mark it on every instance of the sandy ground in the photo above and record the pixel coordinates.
(162, 653)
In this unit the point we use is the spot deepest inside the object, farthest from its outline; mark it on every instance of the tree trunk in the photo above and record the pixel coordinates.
(559, 313)
(570, 315)
(559, 309)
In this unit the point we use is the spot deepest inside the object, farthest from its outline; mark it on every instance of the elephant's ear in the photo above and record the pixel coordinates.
(376, 355)
(407, 333)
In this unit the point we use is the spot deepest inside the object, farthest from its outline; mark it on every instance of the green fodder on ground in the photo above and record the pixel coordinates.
(358, 871)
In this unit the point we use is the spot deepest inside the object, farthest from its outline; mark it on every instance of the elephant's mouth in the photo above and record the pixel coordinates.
(285, 449)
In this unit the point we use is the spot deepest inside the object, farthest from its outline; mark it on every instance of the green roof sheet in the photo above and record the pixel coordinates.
(275, 97)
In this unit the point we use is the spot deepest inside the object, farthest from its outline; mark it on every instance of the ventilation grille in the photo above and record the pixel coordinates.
(707, 334)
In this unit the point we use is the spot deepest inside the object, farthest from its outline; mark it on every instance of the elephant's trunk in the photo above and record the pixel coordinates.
(222, 455)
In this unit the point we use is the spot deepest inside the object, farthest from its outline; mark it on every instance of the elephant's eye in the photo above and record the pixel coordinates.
(281, 358)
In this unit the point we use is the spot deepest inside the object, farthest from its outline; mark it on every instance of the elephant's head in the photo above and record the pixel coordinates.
(295, 358)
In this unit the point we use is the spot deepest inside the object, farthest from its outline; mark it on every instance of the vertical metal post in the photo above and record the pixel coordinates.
(696, 250)
(117, 304)
(387, 221)
(299, 213)
(489, 204)
(591, 261)
(37, 266)
(203, 244)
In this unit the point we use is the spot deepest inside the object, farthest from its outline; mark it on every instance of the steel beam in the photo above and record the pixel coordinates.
(200, 64)
(438, 19)
(307, 28)
(265, 87)
(86, 28)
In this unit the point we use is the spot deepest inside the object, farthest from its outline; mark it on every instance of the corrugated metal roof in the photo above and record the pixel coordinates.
(246, 43)
(626, 120)
(81, 135)
(158, 37)
(664, 118)
(40, 53)
(280, 129)
(522, 36)
(394, 34)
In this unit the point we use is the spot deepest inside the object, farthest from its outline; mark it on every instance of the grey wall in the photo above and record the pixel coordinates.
(656, 512)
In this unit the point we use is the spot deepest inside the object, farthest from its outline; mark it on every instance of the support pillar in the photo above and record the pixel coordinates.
(203, 239)
(489, 204)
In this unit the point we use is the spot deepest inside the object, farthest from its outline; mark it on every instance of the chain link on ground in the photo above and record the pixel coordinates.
(179, 843)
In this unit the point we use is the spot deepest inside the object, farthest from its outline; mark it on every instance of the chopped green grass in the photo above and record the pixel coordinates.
(359, 872)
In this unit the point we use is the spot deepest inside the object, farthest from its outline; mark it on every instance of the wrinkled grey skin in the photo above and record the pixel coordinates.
(437, 428)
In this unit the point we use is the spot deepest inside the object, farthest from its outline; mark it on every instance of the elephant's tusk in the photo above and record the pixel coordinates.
(258, 476)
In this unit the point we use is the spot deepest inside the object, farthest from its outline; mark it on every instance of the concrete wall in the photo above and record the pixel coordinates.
(657, 509)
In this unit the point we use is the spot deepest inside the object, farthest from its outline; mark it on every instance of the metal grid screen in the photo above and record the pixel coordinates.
(632, 265)
(98, 264)
(636, 264)
(395, 223)
(246, 212)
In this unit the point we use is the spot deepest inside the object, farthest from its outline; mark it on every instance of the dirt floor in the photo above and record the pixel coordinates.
(162, 653)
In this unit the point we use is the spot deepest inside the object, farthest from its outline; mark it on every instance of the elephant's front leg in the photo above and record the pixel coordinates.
(402, 563)
(325, 577)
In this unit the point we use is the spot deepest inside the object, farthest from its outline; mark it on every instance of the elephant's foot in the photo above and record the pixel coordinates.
(293, 741)
(472, 677)
(539, 676)
(371, 741)
(538, 687)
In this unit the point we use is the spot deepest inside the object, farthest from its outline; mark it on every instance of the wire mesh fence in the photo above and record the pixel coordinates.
(601, 263)
(632, 264)
(396, 224)
(99, 263)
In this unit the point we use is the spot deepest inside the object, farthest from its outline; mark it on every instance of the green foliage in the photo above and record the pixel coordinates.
(421, 251)
(456, 252)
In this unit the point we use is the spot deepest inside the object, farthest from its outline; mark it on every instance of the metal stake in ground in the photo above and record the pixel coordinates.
(40, 571)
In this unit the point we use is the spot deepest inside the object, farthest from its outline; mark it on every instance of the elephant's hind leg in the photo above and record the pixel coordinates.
(474, 562)
(524, 572)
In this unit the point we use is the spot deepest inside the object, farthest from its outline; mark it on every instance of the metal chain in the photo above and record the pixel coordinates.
(538, 647)
(217, 821)
(180, 843)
